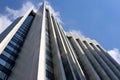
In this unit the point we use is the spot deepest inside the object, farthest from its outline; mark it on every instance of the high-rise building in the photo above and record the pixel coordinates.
(35, 47)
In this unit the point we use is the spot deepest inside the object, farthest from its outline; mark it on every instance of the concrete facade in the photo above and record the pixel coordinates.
(49, 53)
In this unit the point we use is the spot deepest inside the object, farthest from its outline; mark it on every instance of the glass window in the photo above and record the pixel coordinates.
(4, 63)
(8, 55)
(46, 26)
(49, 68)
(11, 49)
(22, 30)
(2, 75)
(49, 63)
(16, 40)
(46, 33)
(48, 49)
(48, 57)
(47, 78)
(19, 36)
(49, 75)
(14, 43)
(49, 53)
(47, 43)
(47, 38)
(21, 33)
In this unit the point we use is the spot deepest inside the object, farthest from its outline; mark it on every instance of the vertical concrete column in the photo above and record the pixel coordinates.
(102, 73)
(59, 73)
(110, 58)
(109, 62)
(77, 73)
(42, 55)
(92, 59)
(78, 67)
(85, 62)
(64, 54)
(105, 66)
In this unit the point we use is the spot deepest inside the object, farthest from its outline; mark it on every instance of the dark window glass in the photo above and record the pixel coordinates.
(8, 55)
(2, 75)
(49, 75)
(49, 63)
(4, 63)
(49, 68)
(15, 44)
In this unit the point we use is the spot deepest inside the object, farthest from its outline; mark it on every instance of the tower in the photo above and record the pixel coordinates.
(35, 47)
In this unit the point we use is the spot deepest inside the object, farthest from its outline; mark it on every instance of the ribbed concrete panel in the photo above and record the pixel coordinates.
(105, 66)
(84, 61)
(93, 61)
(102, 50)
(102, 72)
(71, 58)
(58, 66)
(63, 51)
(78, 68)
(109, 63)
(100, 65)
(112, 68)
(109, 57)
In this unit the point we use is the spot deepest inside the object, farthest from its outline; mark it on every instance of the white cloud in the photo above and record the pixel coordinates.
(27, 5)
(12, 14)
(20, 12)
(6, 19)
(115, 53)
(4, 22)
(76, 32)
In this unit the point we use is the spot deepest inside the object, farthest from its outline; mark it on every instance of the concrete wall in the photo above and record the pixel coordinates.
(26, 67)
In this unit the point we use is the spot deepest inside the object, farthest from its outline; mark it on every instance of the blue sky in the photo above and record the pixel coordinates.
(97, 19)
